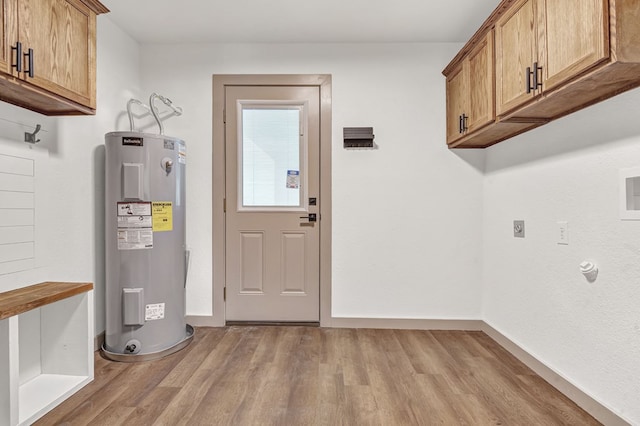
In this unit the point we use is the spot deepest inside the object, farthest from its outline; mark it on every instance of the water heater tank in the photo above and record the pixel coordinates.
(146, 256)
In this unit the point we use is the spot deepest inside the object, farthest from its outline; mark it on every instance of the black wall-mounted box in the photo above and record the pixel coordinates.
(358, 137)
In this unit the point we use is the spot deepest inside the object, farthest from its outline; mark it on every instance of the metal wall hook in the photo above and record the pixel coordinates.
(31, 137)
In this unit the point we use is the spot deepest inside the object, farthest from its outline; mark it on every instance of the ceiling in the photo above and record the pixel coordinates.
(299, 21)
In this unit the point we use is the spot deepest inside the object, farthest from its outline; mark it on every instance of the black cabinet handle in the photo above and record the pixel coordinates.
(533, 75)
(18, 50)
(29, 56)
(462, 123)
(536, 82)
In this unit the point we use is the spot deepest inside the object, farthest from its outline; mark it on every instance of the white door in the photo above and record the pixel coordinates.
(272, 141)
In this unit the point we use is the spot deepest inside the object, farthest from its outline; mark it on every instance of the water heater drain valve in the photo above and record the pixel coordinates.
(132, 347)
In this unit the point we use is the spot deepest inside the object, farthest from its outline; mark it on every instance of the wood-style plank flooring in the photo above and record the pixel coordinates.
(283, 375)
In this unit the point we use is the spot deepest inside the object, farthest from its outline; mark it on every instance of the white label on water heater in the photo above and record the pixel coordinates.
(154, 311)
(134, 209)
(135, 226)
(134, 222)
(135, 239)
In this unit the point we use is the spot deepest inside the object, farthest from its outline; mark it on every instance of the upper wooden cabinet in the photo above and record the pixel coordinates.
(540, 44)
(470, 92)
(516, 34)
(50, 46)
(457, 94)
(552, 57)
(576, 38)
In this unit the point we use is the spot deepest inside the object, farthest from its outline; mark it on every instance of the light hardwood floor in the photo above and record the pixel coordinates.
(283, 375)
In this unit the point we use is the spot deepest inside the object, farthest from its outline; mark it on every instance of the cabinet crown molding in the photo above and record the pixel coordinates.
(479, 35)
(96, 6)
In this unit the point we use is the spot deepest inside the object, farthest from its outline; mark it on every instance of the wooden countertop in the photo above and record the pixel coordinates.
(24, 299)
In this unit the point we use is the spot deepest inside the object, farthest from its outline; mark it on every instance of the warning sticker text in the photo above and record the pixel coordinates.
(162, 216)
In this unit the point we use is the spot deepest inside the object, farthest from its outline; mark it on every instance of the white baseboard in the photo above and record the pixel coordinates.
(600, 412)
(202, 321)
(407, 323)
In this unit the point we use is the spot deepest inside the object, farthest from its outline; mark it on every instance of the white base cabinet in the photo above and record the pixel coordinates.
(46, 355)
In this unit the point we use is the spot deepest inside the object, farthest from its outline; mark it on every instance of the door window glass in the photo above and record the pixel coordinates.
(270, 161)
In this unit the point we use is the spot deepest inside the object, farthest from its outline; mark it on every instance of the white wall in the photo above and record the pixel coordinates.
(534, 292)
(70, 174)
(406, 222)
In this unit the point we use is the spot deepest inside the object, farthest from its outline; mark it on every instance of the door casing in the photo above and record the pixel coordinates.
(220, 81)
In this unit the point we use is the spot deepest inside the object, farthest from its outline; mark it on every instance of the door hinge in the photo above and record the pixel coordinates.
(224, 116)
(224, 205)
(224, 294)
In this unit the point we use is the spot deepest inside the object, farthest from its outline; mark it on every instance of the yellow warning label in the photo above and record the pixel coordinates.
(162, 212)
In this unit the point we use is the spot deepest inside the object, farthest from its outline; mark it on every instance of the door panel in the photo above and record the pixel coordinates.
(293, 271)
(272, 169)
(251, 262)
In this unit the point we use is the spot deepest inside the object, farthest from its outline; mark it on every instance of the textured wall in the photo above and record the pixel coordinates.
(533, 290)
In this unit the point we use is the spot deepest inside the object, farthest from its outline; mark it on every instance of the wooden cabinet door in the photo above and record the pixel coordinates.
(576, 35)
(516, 49)
(457, 94)
(62, 36)
(481, 104)
(5, 42)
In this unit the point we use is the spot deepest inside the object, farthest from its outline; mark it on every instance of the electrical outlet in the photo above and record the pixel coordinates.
(518, 228)
(563, 233)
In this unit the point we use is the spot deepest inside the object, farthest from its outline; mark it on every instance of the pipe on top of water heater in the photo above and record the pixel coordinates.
(176, 110)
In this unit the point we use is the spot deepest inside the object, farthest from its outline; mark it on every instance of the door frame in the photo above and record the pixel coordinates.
(220, 81)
